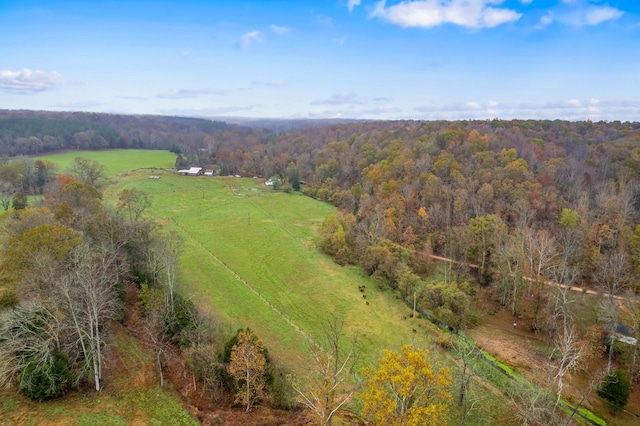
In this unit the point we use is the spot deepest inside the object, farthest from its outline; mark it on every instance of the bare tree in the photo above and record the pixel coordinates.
(331, 383)
(29, 337)
(612, 276)
(534, 405)
(87, 171)
(90, 292)
(134, 202)
(167, 252)
(509, 258)
(467, 351)
(6, 195)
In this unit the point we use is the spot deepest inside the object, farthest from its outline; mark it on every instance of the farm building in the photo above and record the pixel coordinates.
(273, 181)
(208, 172)
(193, 171)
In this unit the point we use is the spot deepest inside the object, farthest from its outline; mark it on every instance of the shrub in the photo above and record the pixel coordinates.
(443, 340)
(615, 388)
(42, 381)
(181, 326)
(8, 300)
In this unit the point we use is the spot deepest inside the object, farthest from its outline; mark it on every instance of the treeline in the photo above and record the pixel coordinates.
(37, 132)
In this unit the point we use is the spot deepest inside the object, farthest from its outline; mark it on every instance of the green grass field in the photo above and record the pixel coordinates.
(116, 161)
(284, 286)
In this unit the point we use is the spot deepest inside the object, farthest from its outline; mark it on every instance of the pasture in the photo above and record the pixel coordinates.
(116, 161)
(250, 255)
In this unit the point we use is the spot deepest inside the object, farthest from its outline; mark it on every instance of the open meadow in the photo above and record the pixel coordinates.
(250, 254)
(116, 161)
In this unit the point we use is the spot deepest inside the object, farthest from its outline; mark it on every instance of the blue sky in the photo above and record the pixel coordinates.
(412, 59)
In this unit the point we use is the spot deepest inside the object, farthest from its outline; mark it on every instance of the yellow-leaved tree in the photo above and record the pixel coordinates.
(247, 367)
(405, 390)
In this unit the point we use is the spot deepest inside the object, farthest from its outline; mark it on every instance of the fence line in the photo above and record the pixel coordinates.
(249, 286)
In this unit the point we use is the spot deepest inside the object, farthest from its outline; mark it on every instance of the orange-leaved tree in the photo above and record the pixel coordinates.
(247, 367)
(405, 390)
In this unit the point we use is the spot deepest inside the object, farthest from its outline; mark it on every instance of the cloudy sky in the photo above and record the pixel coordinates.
(414, 59)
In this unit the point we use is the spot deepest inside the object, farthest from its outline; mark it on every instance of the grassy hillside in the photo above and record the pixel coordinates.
(251, 254)
(116, 161)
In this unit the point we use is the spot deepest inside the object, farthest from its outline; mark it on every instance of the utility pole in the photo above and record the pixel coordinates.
(414, 304)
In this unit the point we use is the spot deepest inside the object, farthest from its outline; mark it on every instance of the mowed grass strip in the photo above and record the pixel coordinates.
(116, 161)
(269, 239)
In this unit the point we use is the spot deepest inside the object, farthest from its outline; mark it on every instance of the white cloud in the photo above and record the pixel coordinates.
(353, 112)
(279, 29)
(339, 99)
(472, 105)
(578, 14)
(596, 15)
(431, 13)
(249, 38)
(204, 112)
(273, 83)
(573, 103)
(544, 22)
(526, 1)
(493, 17)
(352, 3)
(28, 82)
(325, 21)
(187, 93)
(131, 98)
(572, 109)
(81, 105)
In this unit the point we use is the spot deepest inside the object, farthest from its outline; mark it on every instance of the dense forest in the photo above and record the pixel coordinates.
(37, 132)
(521, 208)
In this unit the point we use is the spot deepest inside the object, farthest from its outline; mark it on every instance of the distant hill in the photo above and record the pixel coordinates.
(25, 132)
(280, 125)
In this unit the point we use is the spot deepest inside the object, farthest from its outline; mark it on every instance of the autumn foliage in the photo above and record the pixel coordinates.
(248, 365)
(405, 390)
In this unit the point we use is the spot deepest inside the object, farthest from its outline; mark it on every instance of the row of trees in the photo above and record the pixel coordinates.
(36, 132)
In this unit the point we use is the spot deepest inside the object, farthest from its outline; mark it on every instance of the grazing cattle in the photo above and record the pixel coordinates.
(364, 296)
(361, 290)
(404, 317)
(367, 302)
(415, 331)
